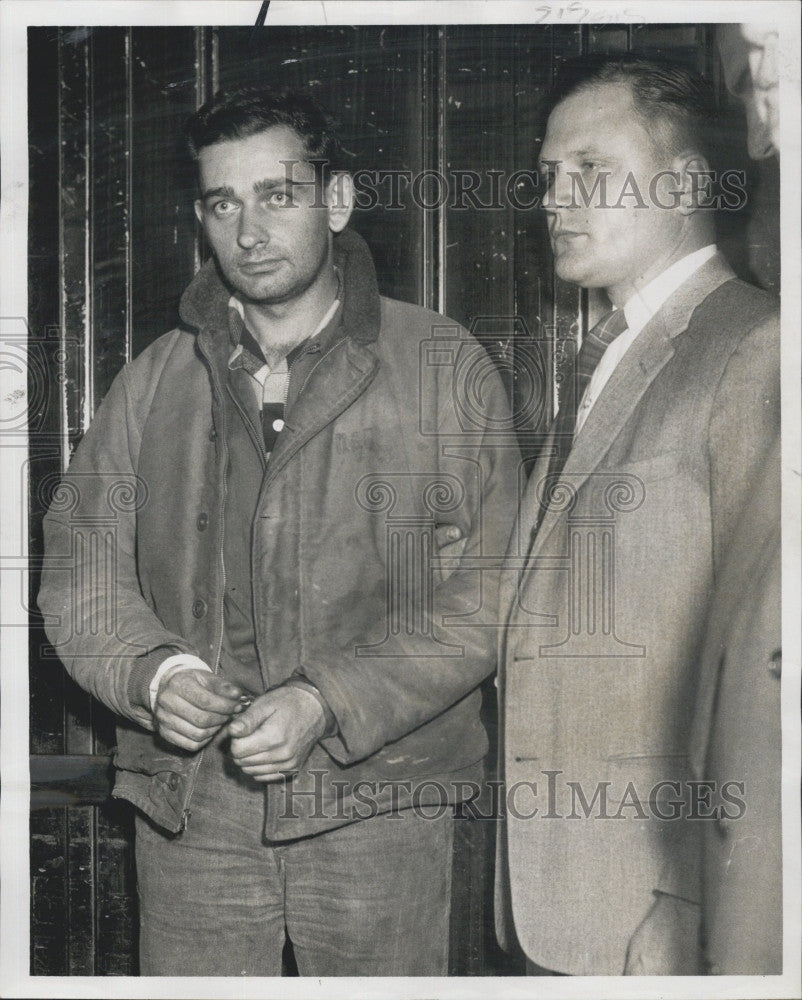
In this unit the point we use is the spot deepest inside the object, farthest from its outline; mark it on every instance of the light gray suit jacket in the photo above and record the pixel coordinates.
(736, 743)
(599, 662)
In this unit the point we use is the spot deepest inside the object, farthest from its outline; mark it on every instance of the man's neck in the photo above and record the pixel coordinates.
(619, 295)
(279, 327)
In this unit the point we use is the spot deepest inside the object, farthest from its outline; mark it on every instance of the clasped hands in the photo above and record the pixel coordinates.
(271, 736)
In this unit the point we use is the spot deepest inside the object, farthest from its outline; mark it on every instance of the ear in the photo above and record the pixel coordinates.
(340, 200)
(199, 210)
(695, 182)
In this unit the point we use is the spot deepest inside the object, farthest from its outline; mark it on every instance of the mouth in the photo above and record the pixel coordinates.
(564, 239)
(260, 266)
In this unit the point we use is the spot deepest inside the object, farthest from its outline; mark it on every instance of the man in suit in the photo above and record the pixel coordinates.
(622, 530)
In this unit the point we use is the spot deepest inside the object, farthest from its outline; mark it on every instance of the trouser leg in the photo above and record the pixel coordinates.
(211, 898)
(371, 898)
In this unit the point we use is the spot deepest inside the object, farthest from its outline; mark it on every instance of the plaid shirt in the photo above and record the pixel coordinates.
(271, 385)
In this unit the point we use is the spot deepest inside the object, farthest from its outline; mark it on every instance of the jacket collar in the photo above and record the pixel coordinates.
(204, 305)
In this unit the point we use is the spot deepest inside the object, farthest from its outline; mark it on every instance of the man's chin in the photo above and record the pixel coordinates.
(568, 268)
(261, 292)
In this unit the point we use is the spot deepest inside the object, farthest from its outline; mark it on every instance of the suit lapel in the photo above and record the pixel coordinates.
(636, 371)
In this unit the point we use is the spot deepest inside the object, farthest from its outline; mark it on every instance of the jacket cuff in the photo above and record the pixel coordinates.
(143, 672)
(300, 681)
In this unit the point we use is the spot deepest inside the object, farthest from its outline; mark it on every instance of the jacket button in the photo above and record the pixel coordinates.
(212, 434)
(173, 781)
(776, 663)
(199, 608)
(723, 826)
(202, 522)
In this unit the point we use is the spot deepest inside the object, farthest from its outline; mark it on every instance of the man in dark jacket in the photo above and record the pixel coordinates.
(282, 534)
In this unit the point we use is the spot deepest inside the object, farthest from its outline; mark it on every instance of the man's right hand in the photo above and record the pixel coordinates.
(193, 705)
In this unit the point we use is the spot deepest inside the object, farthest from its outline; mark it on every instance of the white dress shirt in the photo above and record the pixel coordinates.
(638, 310)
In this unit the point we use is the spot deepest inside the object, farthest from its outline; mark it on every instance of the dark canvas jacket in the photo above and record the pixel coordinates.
(402, 427)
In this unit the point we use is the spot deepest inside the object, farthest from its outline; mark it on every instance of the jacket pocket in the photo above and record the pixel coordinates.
(145, 761)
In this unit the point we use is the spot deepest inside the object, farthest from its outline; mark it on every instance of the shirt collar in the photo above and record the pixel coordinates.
(646, 301)
(248, 354)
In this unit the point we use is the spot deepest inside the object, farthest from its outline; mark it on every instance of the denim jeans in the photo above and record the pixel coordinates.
(370, 898)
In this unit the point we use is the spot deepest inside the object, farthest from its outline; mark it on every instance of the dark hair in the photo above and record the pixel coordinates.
(675, 105)
(241, 113)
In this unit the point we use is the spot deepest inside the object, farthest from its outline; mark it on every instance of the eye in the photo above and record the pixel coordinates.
(279, 199)
(588, 166)
(223, 209)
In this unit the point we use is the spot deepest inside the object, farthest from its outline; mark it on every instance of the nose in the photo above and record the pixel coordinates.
(559, 189)
(252, 229)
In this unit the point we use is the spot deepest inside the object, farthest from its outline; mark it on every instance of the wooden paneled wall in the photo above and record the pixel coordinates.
(113, 243)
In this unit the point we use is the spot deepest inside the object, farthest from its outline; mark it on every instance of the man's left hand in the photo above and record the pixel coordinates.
(273, 738)
(666, 942)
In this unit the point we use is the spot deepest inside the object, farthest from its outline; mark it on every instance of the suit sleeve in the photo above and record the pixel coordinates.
(107, 636)
(744, 425)
(378, 699)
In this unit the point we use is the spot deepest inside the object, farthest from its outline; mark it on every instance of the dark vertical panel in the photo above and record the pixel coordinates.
(117, 917)
(534, 270)
(47, 830)
(74, 132)
(46, 686)
(431, 253)
(108, 219)
(49, 907)
(369, 78)
(479, 135)
(569, 317)
(162, 223)
(75, 123)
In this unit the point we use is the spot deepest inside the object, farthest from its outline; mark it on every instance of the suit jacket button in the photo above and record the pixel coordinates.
(776, 663)
(199, 608)
(174, 781)
(202, 522)
(723, 826)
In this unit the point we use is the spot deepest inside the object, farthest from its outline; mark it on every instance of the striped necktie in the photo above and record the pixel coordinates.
(594, 345)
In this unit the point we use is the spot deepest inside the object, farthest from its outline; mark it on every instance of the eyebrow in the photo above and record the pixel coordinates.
(267, 185)
(260, 187)
(573, 155)
(218, 192)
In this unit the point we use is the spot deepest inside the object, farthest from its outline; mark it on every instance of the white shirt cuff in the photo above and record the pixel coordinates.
(174, 664)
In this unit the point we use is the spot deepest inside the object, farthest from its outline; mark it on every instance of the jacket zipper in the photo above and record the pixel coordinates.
(219, 645)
